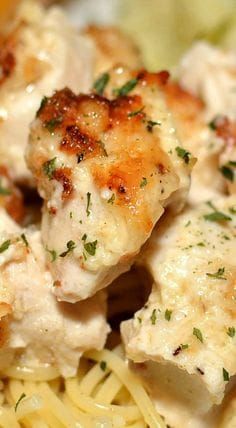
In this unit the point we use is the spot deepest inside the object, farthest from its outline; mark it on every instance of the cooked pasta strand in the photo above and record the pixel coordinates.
(132, 383)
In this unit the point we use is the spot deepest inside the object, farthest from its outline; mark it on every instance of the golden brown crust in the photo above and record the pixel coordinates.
(225, 129)
(11, 197)
(7, 58)
(186, 109)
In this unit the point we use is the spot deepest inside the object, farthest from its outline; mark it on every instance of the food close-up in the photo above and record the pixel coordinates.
(118, 214)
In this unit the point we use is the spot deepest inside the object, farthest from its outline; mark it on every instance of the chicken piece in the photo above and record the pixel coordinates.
(41, 53)
(112, 47)
(35, 328)
(11, 197)
(106, 167)
(210, 73)
(213, 144)
(189, 320)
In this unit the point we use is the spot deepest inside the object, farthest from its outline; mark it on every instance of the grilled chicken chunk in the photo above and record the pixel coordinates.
(212, 143)
(42, 53)
(35, 328)
(209, 73)
(106, 167)
(189, 320)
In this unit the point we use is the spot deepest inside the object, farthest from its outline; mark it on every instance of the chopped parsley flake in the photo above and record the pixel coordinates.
(84, 237)
(103, 366)
(212, 124)
(5, 245)
(51, 124)
(225, 375)
(153, 317)
(111, 200)
(231, 331)
(88, 203)
(49, 168)
(53, 254)
(4, 191)
(126, 88)
(218, 275)
(42, 105)
(184, 154)
(168, 314)
(232, 210)
(227, 171)
(23, 395)
(136, 112)
(143, 182)
(70, 247)
(198, 334)
(139, 320)
(24, 239)
(101, 83)
(216, 215)
(184, 346)
(151, 124)
(91, 247)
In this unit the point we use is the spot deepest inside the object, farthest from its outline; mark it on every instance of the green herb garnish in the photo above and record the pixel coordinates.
(184, 346)
(198, 334)
(231, 331)
(70, 247)
(91, 247)
(53, 254)
(216, 215)
(184, 154)
(227, 172)
(51, 124)
(111, 200)
(225, 375)
(153, 317)
(168, 314)
(42, 105)
(136, 112)
(126, 88)
(218, 275)
(19, 400)
(24, 239)
(5, 245)
(101, 83)
(151, 124)
(88, 203)
(143, 182)
(49, 168)
(103, 365)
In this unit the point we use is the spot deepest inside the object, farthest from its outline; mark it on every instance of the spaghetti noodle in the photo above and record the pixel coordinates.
(105, 393)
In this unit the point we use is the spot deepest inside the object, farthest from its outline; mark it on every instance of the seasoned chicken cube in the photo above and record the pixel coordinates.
(210, 73)
(189, 320)
(112, 47)
(212, 143)
(106, 167)
(41, 53)
(35, 328)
